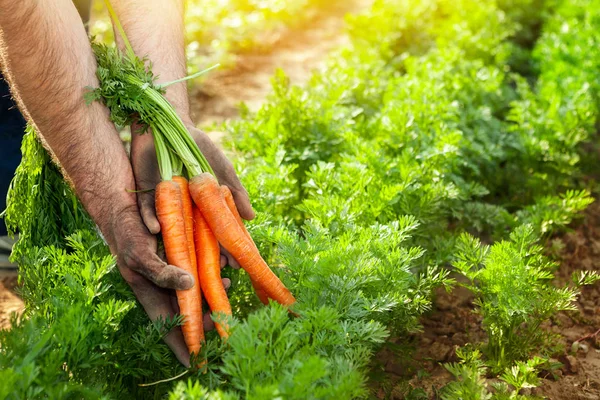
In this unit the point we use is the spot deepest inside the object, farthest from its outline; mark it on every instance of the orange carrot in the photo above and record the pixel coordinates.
(188, 215)
(169, 207)
(231, 205)
(205, 192)
(209, 270)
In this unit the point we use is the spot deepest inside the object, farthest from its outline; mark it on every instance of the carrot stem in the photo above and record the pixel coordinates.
(172, 127)
(113, 16)
(197, 74)
(162, 154)
(161, 114)
(176, 164)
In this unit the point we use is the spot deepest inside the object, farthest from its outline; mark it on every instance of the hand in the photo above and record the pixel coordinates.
(145, 169)
(153, 293)
(147, 274)
(150, 278)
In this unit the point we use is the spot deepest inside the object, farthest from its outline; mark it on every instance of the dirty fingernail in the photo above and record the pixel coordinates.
(186, 281)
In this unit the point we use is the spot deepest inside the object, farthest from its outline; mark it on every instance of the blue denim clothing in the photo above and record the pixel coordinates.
(12, 127)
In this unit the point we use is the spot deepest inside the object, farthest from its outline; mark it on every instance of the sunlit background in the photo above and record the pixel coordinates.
(218, 30)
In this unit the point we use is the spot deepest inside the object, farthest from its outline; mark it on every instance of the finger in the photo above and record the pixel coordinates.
(174, 340)
(225, 173)
(223, 261)
(157, 304)
(161, 273)
(143, 162)
(148, 211)
(230, 260)
(226, 283)
(172, 277)
(208, 323)
(242, 201)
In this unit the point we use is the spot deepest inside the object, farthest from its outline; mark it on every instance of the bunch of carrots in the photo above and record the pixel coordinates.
(195, 217)
(196, 214)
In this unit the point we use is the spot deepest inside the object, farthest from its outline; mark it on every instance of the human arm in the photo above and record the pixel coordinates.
(155, 29)
(46, 56)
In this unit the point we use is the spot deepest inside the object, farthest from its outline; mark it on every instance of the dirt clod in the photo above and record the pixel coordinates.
(571, 364)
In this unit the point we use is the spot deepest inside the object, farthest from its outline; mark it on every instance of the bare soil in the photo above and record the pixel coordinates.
(9, 301)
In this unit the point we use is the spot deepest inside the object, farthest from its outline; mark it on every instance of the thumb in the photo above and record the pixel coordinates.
(161, 273)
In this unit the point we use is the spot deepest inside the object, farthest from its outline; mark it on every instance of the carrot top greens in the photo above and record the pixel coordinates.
(127, 88)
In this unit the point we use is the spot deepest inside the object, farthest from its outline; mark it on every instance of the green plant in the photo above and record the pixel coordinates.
(72, 341)
(512, 283)
(470, 382)
(469, 373)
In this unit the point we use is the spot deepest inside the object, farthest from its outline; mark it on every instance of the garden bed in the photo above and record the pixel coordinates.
(452, 324)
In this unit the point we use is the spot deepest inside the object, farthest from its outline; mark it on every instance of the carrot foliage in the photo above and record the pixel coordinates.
(445, 118)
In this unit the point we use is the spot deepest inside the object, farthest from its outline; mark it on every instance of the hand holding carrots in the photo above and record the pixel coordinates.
(195, 217)
(148, 276)
(191, 234)
(128, 87)
(147, 176)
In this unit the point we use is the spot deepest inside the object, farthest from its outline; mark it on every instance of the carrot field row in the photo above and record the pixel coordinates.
(452, 137)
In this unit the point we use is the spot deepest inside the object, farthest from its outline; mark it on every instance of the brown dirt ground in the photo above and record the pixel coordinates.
(9, 301)
(453, 324)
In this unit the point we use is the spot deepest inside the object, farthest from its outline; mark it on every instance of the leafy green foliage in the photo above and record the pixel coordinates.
(561, 112)
(469, 373)
(81, 335)
(41, 206)
(367, 272)
(194, 391)
(512, 282)
(470, 383)
(122, 97)
(315, 356)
